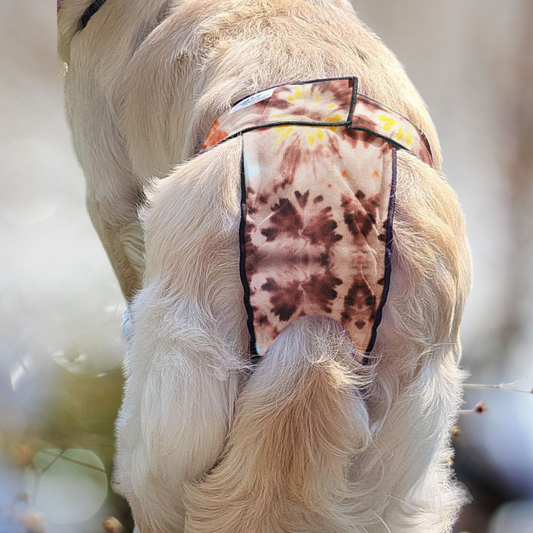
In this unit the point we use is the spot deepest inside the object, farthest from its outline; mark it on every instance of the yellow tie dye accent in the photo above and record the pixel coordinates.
(334, 118)
(331, 106)
(297, 95)
(284, 132)
(317, 100)
(408, 136)
(400, 134)
(318, 133)
(388, 122)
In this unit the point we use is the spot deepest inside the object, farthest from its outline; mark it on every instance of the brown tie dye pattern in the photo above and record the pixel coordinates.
(318, 205)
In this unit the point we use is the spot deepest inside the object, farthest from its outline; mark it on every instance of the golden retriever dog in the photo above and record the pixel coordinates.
(308, 440)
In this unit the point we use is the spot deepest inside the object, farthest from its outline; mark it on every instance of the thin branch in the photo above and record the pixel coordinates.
(501, 386)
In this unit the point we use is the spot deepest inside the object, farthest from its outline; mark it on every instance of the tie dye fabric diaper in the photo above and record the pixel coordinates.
(318, 181)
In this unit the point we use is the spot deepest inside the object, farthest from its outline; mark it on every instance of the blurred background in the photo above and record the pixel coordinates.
(60, 306)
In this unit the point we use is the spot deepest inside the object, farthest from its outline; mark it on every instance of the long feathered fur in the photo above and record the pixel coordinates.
(308, 441)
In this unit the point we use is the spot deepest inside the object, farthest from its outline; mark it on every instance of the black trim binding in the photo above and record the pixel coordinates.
(311, 125)
(388, 258)
(242, 261)
(305, 82)
(90, 12)
(354, 99)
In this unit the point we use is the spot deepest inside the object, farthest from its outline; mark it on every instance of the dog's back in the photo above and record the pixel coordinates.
(317, 442)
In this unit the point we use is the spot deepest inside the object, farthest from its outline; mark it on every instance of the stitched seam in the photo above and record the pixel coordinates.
(311, 125)
(305, 82)
(388, 257)
(242, 259)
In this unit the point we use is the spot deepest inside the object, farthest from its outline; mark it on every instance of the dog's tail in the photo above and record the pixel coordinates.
(300, 421)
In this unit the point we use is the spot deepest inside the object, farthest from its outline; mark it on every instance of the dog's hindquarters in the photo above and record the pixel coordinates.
(301, 421)
(298, 456)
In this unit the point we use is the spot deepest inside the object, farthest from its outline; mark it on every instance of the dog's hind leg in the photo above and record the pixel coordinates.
(189, 333)
(177, 409)
(299, 421)
(114, 193)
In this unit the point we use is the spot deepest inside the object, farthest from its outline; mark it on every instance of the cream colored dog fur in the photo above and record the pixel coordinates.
(307, 441)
